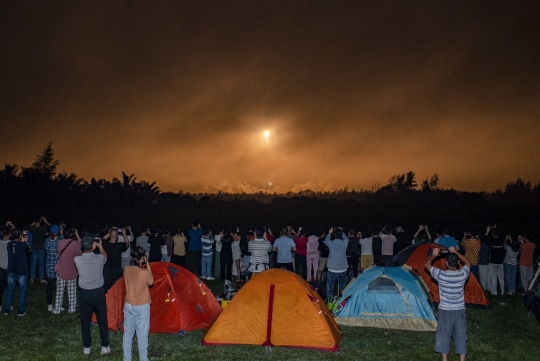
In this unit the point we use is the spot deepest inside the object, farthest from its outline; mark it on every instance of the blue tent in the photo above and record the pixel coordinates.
(387, 297)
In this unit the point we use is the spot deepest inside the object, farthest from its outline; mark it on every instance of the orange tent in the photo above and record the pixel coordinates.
(276, 308)
(474, 294)
(180, 301)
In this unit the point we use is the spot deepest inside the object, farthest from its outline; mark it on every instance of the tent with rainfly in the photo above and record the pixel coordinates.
(387, 297)
(180, 301)
(415, 257)
(276, 308)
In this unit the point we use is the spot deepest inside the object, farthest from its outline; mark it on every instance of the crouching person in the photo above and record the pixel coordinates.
(92, 297)
(138, 277)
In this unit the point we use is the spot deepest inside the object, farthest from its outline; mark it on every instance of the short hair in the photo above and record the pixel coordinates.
(195, 224)
(338, 233)
(446, 230)
(303, 232)
(68, 232)
(452, 260)
(352, 231)
(6, 231)
(259, 231)
(495, 232)
(284, 231)
(16, 233)
(206, 230)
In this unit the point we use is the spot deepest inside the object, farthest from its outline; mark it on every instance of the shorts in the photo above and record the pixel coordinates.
(322, 263)
(451, 324)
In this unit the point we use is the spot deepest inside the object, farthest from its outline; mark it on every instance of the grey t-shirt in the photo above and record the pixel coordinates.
(3, 254)
(90, 267)
(284, 247)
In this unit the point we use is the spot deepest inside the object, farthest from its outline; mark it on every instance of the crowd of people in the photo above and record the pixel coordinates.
(57, 256)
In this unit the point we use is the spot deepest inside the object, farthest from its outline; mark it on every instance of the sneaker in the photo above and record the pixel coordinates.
(203, 277)
(210, 278)
(6, 313)
(72, 311)
(42, 280)
(86, 351)
(31, 280)
(22, 314)
(50, 308)
(105, 350)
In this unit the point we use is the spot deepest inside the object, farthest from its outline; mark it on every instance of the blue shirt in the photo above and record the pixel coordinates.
(195, 243)
(284, 247)
(447, 241)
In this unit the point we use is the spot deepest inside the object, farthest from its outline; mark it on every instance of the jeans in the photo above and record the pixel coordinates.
(37, 263)
(94, 300)
(206, 263)
(332, 277)
(497, 274)
(3, 282)
(12, 281)
(510, 271)
(136, 320)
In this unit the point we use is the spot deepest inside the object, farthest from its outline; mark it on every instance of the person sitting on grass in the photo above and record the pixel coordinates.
(138, 277)
(452, 322)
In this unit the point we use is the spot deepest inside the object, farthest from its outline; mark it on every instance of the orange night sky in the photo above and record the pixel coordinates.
(351, 92)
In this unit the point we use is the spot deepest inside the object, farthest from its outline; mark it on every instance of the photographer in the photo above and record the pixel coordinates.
(337, 243)
(138, 277)
(17, 251)
(452, 322)
(114, 249)
(92, 296)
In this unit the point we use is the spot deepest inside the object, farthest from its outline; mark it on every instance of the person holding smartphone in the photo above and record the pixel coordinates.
(138, 278)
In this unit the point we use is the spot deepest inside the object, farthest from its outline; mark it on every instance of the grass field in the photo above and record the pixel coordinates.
(502, 333)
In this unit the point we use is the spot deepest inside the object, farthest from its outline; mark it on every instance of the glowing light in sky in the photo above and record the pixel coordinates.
(266, 135)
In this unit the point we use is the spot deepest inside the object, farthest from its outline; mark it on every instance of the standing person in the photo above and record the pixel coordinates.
(483, 265)
(195, 248)
(236, 254)
(337, 243)
(142, 240)
(18, 251)
(112, 271)
(526, 262)
(179, 249)
(207, 244)
(376, 244)
(155, 242)
(6, 238)
(352, 252)
(138, 277)
(496, 259)
(402, 240)
(129, 241)
(259, 248)
(270, 237)
(387, 245)
(226, 256)
(90, 267)
(452, 321)
(39, 230)
(51, 250)
(300, 261)
(284, 246)
(422, 235)
(167, 250)
(217, 253)
(323, 256)
(510, 263)
(366, 252)
(68, 249)
(472, 250)
(312, 255)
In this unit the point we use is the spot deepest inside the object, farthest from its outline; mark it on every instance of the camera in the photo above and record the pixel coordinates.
(120, 230)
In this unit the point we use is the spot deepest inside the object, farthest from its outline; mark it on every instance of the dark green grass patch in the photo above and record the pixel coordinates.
(502, 333)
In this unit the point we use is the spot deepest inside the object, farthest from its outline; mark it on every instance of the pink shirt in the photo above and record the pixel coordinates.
(66, 268)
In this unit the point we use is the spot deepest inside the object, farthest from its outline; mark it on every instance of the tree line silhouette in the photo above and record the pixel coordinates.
(39, 189)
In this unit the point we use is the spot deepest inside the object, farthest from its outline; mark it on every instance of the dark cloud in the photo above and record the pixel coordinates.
(352, 91)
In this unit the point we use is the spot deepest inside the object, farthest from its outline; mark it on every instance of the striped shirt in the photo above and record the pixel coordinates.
(207, 243)
(511, 256)
(451, 284)
(259, 249)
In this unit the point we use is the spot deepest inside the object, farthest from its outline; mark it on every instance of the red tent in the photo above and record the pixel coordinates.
(180, 301)
(416, 258)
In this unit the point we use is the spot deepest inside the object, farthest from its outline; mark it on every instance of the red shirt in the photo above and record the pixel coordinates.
(301, 245)
(526, 258)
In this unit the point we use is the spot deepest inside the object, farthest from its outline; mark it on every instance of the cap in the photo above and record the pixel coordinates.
(55, 229)
(87, 242)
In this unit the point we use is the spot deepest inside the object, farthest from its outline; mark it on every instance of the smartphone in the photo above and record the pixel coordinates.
(120, 230)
